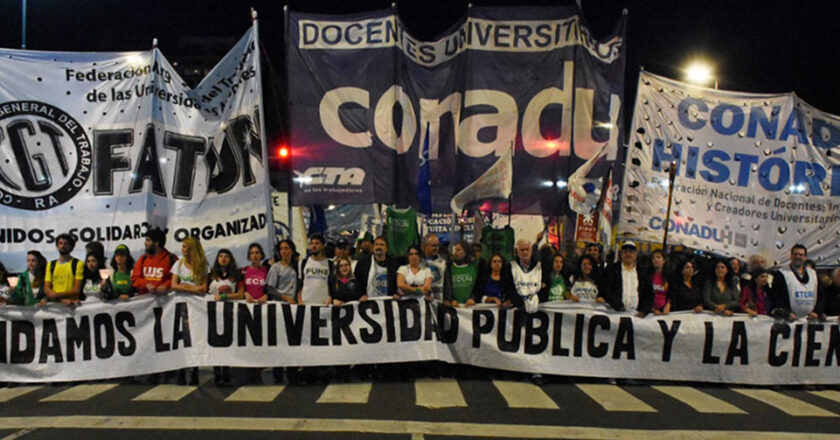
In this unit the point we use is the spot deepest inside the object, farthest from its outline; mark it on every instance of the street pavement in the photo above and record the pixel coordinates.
(508, 407)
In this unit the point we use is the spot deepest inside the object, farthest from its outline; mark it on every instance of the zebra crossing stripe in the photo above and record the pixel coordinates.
(255, 393)
(435, 394)
(784, 403)
(346, 393)
(79, 393)
(613, 398)
(7, 394)
(700, 401)
(827, 394)
(524, 395)
(165, 393)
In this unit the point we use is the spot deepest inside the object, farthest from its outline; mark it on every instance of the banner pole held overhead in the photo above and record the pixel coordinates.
(672, 174)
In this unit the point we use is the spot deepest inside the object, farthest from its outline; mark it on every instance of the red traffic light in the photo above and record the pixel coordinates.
(283, 152)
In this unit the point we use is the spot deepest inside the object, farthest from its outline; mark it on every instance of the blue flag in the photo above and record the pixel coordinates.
(424, 178)
(317, 220)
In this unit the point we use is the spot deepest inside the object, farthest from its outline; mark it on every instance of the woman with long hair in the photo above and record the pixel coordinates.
(585, 280)
(659, 279)
(92, 282)
(255, 275)
(118, 285)
(281, 282)
(225, 285)
(495, 285)
(555, 279)
(683, 292)
(345, 286)
(5, 287)
(30, 287)
(753, 299)
(189, 275)
(719, 293)
(413, 278)
(461, 277)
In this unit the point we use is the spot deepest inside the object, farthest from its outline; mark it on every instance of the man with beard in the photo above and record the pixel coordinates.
(794, 289)
(461, 278)
(151, 272)
(63, 277)
(315, 271)
(378, 273)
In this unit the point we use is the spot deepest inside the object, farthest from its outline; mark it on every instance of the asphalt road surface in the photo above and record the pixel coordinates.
(509, 406)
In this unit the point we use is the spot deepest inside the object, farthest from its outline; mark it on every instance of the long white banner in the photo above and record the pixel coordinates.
(106, 145)
(756, 174)
(151, 334)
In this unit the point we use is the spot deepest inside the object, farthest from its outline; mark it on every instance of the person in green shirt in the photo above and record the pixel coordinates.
(461, 276)
(556, 280)
(118, 285)
(30, 287)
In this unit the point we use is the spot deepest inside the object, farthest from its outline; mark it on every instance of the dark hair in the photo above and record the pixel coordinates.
(258, 246)
(319, 237)
(496, 254)
(96, 248)
(221, 273)
(799, 246)
(729, 275)
(414, 247)
(593, 276)
(92, 275)
(5, 278)
(129, 260)
(467, 249)
(68, 238)
(381, 237)
(40, 268)
(295, 254)
(811, 263)
(157, 236)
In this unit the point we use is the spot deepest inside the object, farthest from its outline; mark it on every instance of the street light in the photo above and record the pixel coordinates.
(700, 72)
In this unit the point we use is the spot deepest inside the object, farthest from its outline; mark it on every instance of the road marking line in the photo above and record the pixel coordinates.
(79, 392)
(784, 403)
(396, 427)
(18, 434)
(7, 394)
(346, 393)
(417, 436)
(165, 393)
(827, 394)
(255, 393)
(524, 395)
(613, 398)
(438, 393)
(700, 401)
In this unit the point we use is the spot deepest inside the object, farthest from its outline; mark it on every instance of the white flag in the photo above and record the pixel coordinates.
(496, 182)
(584, 193)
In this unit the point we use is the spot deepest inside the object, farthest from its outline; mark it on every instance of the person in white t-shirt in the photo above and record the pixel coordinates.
(794, 288)
(414, 279)
(189, 275)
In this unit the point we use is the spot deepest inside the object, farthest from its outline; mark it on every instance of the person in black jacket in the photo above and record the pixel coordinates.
(345, 286)
(683, 291)
(495, 284)
(377, 274)
(828, 298)
(626, 274)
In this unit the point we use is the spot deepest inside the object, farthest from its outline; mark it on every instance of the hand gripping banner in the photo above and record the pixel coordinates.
(107, 145)
(363, 92)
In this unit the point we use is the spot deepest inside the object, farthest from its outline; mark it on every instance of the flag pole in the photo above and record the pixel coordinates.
(672, 174)
(510, 196)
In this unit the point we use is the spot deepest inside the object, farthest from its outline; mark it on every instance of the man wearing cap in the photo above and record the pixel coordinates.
(119, 282)
(794, 288)
(435, 263)
(625, 286)
(151, 272)
(343, 250)
(364, 246)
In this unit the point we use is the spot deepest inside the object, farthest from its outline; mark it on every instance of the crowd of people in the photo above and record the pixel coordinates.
(658, 283)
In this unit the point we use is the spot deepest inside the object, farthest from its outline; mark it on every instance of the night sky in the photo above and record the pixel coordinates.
(772, 46)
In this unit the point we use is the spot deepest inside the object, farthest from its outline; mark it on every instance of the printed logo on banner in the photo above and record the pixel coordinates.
(349, 180)
(47, 156)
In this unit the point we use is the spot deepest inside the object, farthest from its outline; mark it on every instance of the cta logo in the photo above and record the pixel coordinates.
(331, 176)
(45, 156)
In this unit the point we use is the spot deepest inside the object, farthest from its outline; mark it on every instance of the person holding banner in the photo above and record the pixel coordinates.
(495, 285)
(828, 299)
(527, 278)
(719, 294)
(754, 294)
(255, 275)
(659, 281)
(414, 279)
(626, 287)
(281, 281)
(585, 281)
(461, 276)
(153, 271)
(345, 287)
(118, 284)
(794, 288)
(92, 282)
(5, 287)
(30, 286)
(315, 271)
(556, 281)
(189, 275)
(63, 279)
(378, 273)
(225, 285)
(435, 263)
(683, 293)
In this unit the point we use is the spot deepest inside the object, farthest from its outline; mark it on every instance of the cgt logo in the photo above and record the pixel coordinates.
(45, 156)
(331, 176)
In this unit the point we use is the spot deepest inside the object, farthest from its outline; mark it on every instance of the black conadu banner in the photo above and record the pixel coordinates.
(151, 334)
(365, 96)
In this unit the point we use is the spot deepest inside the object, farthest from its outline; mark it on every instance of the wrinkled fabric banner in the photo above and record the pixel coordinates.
(755, 173)
(151, 334)
(107, 145)
(362, 92)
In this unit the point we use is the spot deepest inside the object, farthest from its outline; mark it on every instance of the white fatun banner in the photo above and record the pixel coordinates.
(151, 334)
(755, 173)
(106, 145)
